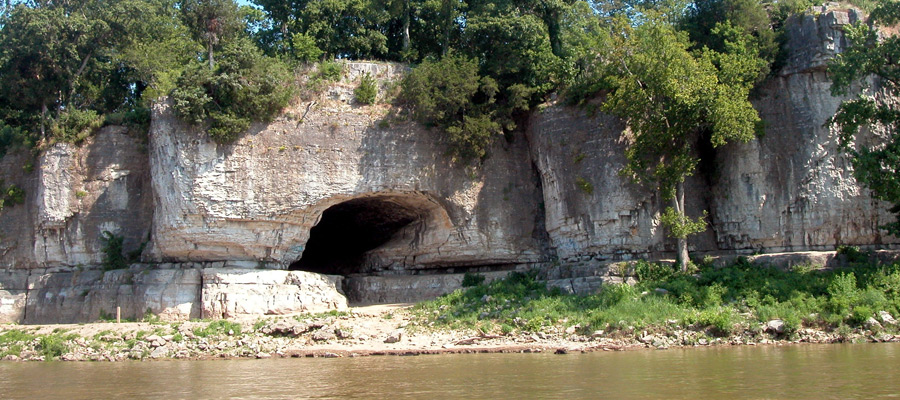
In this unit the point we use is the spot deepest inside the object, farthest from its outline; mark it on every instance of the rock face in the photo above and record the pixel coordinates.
(73, 195)
(230, 293)
(258, 198)
(335, 201)
(591, 211)
(69, 297)
(793, 189)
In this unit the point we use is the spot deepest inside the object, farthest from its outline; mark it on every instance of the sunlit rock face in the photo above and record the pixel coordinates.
(259, 198)
(352, 204)
(793, 188)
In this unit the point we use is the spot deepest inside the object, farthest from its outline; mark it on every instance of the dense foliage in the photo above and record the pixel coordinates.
(243, 86)
(876, 165)
(715, 301)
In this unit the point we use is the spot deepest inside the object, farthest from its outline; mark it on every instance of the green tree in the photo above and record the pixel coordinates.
(59, 58)
(669, 96)
(211, 22)
(746, 17)
(451, 95)
(245, 86)
(875, 165)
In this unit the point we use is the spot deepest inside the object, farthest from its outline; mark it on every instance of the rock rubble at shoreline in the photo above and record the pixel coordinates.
(364, 333)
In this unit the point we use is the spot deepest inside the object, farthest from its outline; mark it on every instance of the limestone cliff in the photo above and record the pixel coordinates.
(377, 206)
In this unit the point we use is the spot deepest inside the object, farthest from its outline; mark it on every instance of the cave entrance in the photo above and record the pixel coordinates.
(346, 231)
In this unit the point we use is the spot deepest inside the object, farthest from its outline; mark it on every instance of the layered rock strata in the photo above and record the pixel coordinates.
(381, 213)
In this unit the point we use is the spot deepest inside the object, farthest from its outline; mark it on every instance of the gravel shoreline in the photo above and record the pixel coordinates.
(370, 331)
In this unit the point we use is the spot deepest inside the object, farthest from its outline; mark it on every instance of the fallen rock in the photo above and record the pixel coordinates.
(159, 352)
(395, 336)
(775, 326)
(887, 318)
(287, 328)
(155, 341)
(322, 335)
(343, 333)
(872, 323)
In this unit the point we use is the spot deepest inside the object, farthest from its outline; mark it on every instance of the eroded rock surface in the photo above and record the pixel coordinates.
(342, 189)
(258, 198)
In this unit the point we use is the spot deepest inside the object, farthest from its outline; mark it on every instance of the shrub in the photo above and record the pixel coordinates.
(113, 257)
(852, 254)
(843, 293)
(11, 195)
(11, 136)
(137, 120)
(218, 327)
(451, 95)
(722, 320)
(584, 185)
(367, 90)
(305, 48)
(648, 272)
(470, 279)
(331, 70)
(73, 126)
(245, 86)
(53, 346)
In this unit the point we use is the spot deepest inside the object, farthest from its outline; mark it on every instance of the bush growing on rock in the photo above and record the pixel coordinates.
(367, 90)
(244, 86)
(451, 95)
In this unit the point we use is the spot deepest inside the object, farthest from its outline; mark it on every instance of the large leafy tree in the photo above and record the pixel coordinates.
(61, 60)
(876, 165)
(672, 99)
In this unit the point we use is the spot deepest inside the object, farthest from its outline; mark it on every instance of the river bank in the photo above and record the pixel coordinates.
(366, 331)
(738, 304)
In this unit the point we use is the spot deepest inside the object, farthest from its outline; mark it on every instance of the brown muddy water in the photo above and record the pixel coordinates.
(799, 371)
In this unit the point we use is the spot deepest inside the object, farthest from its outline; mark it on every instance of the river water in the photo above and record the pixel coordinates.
(801, 371)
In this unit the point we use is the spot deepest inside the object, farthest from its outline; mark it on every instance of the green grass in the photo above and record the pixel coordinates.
(325, 314)
(717, 301)
(218, 328)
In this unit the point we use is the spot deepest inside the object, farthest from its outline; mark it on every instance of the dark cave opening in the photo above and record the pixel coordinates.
(348, 230)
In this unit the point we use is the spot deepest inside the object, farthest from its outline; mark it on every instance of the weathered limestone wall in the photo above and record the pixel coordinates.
(73, 195)
(226, 218)
(790, 190)
(173, 292)
(593, 213)
(793, 189)
(258, 198)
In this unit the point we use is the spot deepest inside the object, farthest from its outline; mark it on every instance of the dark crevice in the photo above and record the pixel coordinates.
(348, 230)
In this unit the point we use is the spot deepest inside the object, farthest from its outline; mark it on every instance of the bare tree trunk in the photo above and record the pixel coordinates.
(447, 9)
(211, 62)
(43, 119)
(683, 255)
(406, 18)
